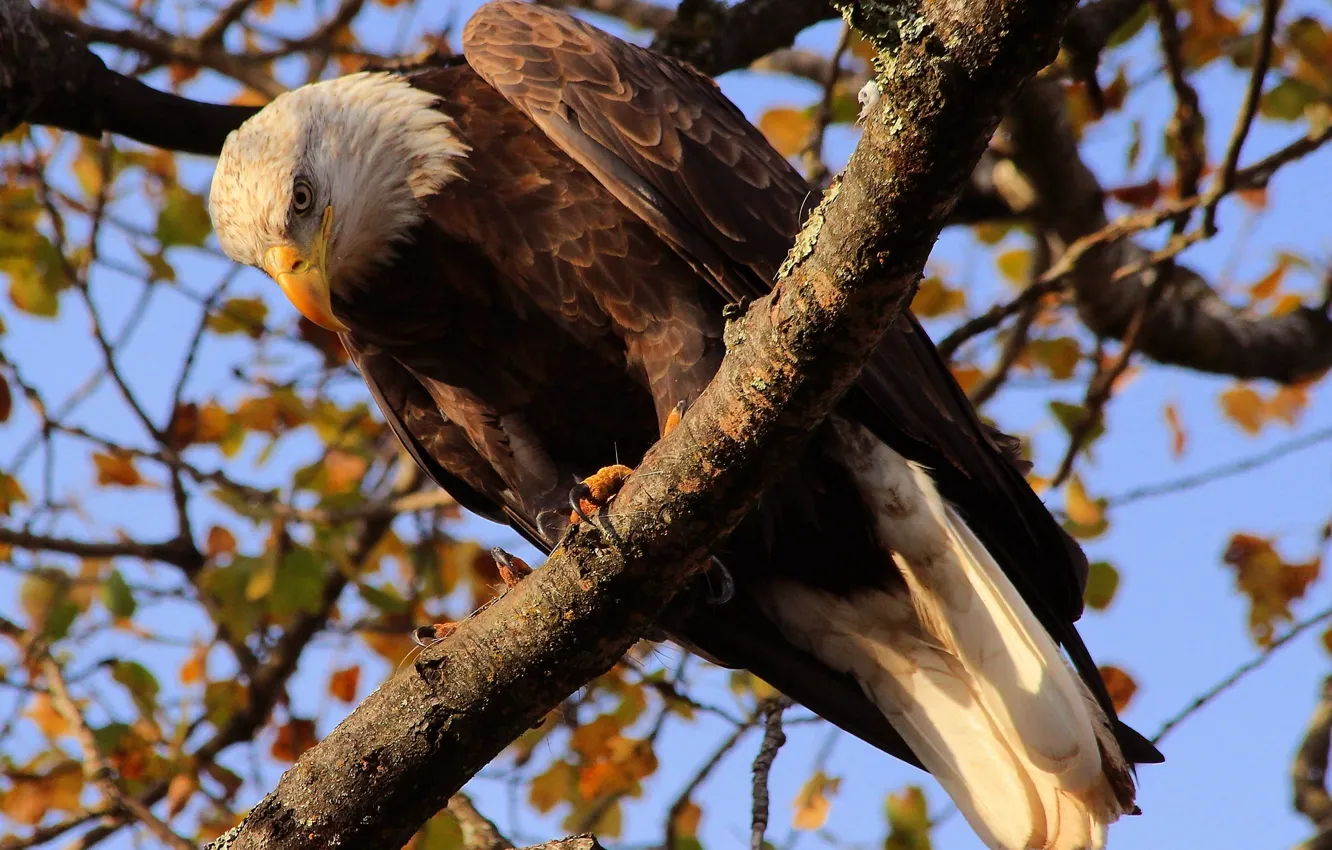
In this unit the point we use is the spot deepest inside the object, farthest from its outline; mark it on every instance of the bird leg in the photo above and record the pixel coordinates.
(512, 569)
(598, 489)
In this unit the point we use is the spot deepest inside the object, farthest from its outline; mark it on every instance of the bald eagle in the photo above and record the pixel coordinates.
(527, 253)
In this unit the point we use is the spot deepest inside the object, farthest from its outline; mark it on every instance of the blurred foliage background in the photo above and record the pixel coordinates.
(212, 548)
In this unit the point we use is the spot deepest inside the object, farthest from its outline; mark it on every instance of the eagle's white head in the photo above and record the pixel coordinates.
(318, 186)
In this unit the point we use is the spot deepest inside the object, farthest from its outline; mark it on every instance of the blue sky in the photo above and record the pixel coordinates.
(1177, 625)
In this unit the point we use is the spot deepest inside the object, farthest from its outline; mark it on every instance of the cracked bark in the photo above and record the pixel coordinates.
(1190, 325)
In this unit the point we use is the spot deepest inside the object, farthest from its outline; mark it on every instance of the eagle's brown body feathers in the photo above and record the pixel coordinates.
(565, 293)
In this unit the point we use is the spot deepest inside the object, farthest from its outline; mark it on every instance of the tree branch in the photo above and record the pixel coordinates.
(50, 77)
(1309, 771)
(1190, 324)
(412, 744)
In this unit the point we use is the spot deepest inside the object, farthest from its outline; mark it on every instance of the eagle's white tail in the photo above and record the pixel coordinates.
(963, 669)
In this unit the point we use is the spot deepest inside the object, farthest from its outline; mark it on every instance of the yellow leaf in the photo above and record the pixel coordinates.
(1245, 407)
(908, 821)
(812, 803)
(788, 130)
(115, 467)
(592, 740)
(1081, 509)
(1287, 303)
(1015, 265)
(933, 298)
(1120, 685)
(50, 721)
(1179, 440)
(1060, 355)
(553, 787)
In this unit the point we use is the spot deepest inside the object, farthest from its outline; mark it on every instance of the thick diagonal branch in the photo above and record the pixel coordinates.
(396, 759)
(1190, 324)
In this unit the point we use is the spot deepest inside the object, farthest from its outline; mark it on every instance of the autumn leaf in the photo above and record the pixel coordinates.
(1102, 583)
(11, 493)
(180, 790)
(195, 667)
(1179, 440)
(44, 714)
(6, 400)
(967, 375)
(1120, 685)
(343, 471)
(220, 542)
(1015, 266)
(686, 819)
(115, 468)
(1060, 356)
(1267, 285)
(343, 683)
(812, 804)
(553, 787)
(1245, 407)
(293, 738)
(30, 795)
(934, 298)
(1270, 583)
(788, 130)
(1139, 194)
(1085, 514)
(908, 820)
(184, 218)
(117, 596)
(239, 315)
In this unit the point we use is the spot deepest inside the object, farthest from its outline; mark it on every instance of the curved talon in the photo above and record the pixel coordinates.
(726, 592)
(512, 569)
(579, 492)
(596, 491)
(424, 636)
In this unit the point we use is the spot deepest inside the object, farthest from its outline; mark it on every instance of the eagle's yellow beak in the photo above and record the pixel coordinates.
(303, 276)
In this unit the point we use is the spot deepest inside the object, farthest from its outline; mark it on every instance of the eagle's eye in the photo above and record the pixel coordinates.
(302, 196)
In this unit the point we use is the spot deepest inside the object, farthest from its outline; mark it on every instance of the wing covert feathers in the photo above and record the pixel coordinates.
(963, 669)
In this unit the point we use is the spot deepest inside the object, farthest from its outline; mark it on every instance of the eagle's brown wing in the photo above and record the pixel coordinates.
(667, 144)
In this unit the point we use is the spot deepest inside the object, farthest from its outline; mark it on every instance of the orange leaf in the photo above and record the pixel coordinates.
(220, 542)
(1267, 285)
(179, 74)
(1120, 685)
(179, 791)
(1245, 407)
(1178, 439)
(342, 684)
(1288, 403)
(788, 130)
(968, 376)
(249, 97)
(687, 820)
(116, 467)
(50, 721)
(343, 470)
(293, 738)
(195, 667)
(1138, 195)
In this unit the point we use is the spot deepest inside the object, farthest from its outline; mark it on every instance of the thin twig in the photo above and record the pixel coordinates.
(1240, 672)
(96, 767)
(1261, 61)
(773, 739)
(1226, 470)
